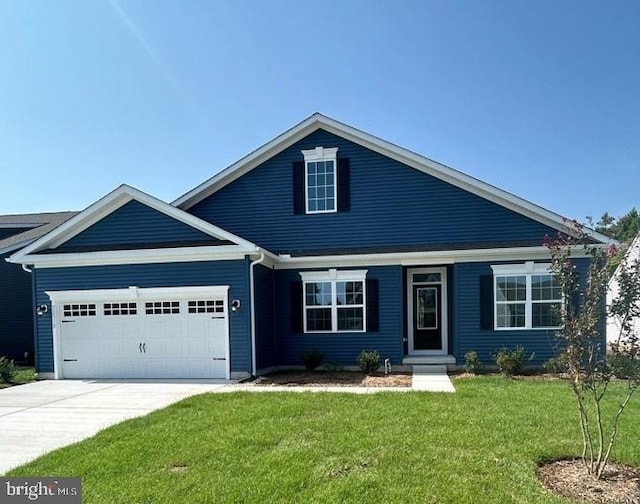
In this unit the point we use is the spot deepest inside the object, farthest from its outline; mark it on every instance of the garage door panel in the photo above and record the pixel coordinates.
(161, 338)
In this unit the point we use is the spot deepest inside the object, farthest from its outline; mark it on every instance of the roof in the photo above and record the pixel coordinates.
(35, 225)
(105, 206)
(405, 156)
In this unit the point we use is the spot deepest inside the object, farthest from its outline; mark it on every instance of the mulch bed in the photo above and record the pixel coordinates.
(333, 379)
(620, 483)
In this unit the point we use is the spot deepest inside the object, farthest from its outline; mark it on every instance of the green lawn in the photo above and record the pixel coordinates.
(479, 445)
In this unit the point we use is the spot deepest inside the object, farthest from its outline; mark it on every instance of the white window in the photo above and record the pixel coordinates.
(320, 168)
(334, 301)
(206, 306)
(162, 307)
(526, 296)
(79, 310)
(111, 309)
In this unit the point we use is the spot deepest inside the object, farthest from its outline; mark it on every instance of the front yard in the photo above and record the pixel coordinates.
(481, 444)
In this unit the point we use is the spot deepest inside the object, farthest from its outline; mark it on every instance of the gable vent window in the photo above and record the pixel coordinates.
(162, 307)
(334, 301)
(206, 306)
(79, 310)
(120, 309)
(320, 179)
(322, 182)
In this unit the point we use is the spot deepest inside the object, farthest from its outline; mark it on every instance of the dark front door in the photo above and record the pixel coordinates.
(427, 317)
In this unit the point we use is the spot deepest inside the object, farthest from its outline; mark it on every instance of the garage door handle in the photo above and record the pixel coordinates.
(144, 348)
(140, 347)
(67, 321)
(219, 358)
(69, 360)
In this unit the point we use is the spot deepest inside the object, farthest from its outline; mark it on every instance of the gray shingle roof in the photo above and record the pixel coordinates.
(35, 226)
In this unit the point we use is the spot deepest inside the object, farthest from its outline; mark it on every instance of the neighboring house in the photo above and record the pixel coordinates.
(325, 238)
(16, 295)
(614, 323)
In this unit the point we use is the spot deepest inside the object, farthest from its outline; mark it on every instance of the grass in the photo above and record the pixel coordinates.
(24, 375)
(481, 444)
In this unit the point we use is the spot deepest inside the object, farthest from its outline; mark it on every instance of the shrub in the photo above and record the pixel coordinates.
(369, 361)
(8, 370)
(510, 362)
(556, 364)
(312, 359)
(472, 362)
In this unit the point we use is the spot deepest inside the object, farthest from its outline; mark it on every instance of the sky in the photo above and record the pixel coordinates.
(540, 98)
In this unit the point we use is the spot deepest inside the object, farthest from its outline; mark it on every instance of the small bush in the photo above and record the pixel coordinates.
(510, 362)
(8, 370)
(556, 364)
(312, 359)
(369, 361)
(623, 366)
(472, 362)
(334, 367)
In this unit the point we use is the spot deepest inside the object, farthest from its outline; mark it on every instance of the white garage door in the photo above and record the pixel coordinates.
(142, 333)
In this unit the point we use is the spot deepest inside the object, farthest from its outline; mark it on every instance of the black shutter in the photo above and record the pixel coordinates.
(344, 185)
(372, 305)
(296, 307)
(486, 302)
(298, 188)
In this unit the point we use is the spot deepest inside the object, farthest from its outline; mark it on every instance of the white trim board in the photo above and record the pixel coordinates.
(420, 258)
(405, 156)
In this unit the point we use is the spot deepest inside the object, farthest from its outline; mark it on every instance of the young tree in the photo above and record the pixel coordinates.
(585, 362)
(623, 229)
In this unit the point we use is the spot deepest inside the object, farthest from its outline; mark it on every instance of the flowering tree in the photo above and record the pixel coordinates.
(583, 357)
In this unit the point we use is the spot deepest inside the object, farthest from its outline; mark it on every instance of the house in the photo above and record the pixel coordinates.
(16, 296)
(324, 238)
(614, 325)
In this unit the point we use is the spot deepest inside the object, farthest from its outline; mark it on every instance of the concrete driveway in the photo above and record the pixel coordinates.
(42, 416)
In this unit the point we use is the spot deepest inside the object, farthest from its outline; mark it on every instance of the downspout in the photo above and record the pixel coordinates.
(26, 268)
(253, 312)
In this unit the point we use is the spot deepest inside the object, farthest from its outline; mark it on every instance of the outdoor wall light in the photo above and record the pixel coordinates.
(42, 309)
(235, 305)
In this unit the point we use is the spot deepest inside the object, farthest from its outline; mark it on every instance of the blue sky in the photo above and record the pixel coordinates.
(541, 98)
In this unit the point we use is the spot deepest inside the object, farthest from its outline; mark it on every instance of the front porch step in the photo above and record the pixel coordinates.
(431, 369)
(429, 360)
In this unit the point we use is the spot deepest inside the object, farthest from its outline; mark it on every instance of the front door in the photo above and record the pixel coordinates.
(427, 311)
(427, 326)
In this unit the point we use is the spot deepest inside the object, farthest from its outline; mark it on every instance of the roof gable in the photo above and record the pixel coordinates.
(318, 121)
(113, 223)
(136, 225)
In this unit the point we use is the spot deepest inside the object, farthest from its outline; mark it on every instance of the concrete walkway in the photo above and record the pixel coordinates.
(431, 379)
(42, 416)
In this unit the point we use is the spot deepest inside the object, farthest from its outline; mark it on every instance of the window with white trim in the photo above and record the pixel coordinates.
(334, 301)
(321, 188)
(526, 296)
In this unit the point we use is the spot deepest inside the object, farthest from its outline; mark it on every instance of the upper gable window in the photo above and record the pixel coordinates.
(321, 179)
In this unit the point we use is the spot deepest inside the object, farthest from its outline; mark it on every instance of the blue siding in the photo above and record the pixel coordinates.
(391, 205)
(135, 223)
(266, 349)
(467, 333)
(16, 311)
(232, 273)
(343, 348)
